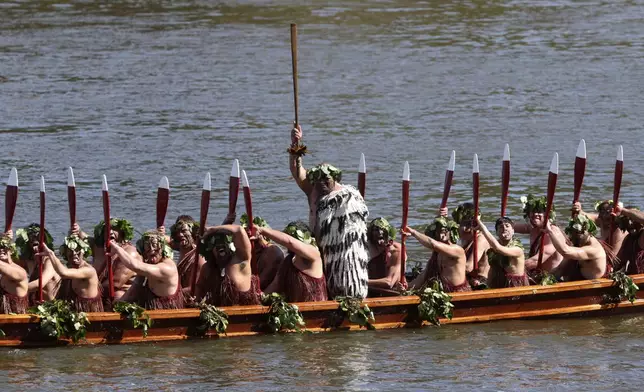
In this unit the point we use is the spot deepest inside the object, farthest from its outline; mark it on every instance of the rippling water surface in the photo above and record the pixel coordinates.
(137, 90)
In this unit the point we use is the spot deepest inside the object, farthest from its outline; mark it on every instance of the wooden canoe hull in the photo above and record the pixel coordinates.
(573, 299)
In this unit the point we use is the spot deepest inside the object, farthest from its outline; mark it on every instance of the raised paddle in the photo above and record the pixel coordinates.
(41, 239)
(294, 63)
(163, 195)
(405, 213)
(552, 184)
(203, 215)
(475, 191)
(619, 168)
(505, 179)
(233, 187)
(449, 174)
(107, 234)
(362, 176)
(580, 171)
(71, 196)
(10, 199)
(248, 202)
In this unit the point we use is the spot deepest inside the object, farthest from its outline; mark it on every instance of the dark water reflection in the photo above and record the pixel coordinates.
(138, 89)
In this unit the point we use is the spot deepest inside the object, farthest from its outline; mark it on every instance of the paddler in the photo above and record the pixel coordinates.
(602, 218)
(534, 209)
(266, 256)
(338, 217)
(384, 257)
(587, 257)
(157, 284)
(183, 234)
(27, 242)
(631, 254)
(80, 283)
(447, 263)
(463, 215)
(505, 256)
(226, 278)
(300, 277)
(13, 279)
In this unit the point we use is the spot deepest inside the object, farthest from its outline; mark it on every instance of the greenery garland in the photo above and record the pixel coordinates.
(134, 313)
(384, 225)
(257, 221)
(166, 250)
(57, 319)
(211, 318)
(22, 240)
(499, 259)
(322, 172)
(627, 288)
(210, 242)
(7, 243)
(463, 212)
(532, 204)
(581, 223)
(300, 232)
(121, 225)
(443, 222)
(74, 242)
(357, 313)
(547, 279)
(282, 316)
(434, 303)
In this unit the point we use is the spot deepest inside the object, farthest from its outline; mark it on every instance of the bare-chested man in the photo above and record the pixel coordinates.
(464, 216)
(184, 234)
(13, 280)
(631, 254)
(602, 218)
(385, 257)
(586, 258)
(157, 283)
(534, 213)
(80, 281)
(266, 256)
(338, 217)
(27, 242)
(226, 278)
(505, 256)
(121, 232)
(301, 276)
(447, 263)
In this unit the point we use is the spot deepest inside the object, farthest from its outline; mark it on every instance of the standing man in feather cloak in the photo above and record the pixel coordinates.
(338, 216)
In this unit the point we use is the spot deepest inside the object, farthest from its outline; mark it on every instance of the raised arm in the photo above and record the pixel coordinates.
(576, 208)
(14, 272)
(243, 247)
(157, 271)
(569, 252)
(63, 271)
(305, 251)
(453, 251)
(393, 270)
(512, 251)
(634, 215)
(47, 275)
(295, 162)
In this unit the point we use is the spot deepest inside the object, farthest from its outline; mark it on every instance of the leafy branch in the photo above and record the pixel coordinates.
(57, 319)
(211, 317)
(282, 316)
(434, 303)
(352, 309)
(136, 314)
(627, 288)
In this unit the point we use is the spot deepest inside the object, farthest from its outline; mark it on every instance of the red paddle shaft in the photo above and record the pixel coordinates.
(362, 183)
(552, 183)
(505, 186)
(233, 193)
(294, 64)
(11, 197)
(205, 205)
(41, 243)
(580, 171)
(619, 168)
(107, 236)
(71, 201)
(248, 201)
(403, 246)
(163, 195)
(449, 174)
(475, 253)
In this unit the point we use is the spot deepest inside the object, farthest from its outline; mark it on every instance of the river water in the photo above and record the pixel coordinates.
(136, 90)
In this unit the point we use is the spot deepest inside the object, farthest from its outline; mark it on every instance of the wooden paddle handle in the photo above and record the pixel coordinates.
(362, 183)
(403, 238)
(619, 169)
(552, 183)
(41, 244)
(203, 215)
(505, 186)
(294, 63)
(71, 201)
(475, 253)
(449, 174)
(163, 196)
(107, 234)
(11, 198)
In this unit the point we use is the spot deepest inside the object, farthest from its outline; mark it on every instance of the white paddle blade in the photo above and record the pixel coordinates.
(406, 171)
(42, 184)
(452, 161)
(207, 183)
(506, 152)
(164, 183)
(244, 179)
(554, 165)
(13, 177)
(70, 177)
(234, 172)
(104, 187)
(620, 153)
(581, 149)
(475, 164)
(363, 166)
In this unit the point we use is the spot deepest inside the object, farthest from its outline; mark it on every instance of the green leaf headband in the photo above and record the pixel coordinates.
(214, 240)
(439, 223)
(22, 240)
(166, 251)
(7, 243)
(257, 221)
(192, 226)
(533, 204)
(297, 230)
(73, 243)
(121, 225)
(322, 172)
(581, 223)
(463, 212)
(384, 225)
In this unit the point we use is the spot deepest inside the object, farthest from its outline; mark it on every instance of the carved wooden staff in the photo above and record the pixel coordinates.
(107, 234)
(405, 213)
(619, 168)
(552, 184)
(294, 64)
(10, 199)
(233, 188)
(163, 196)
(203, 215)
(362, 176)
(580, 171)
(505, 179)
(475, 191)
(41, 239)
